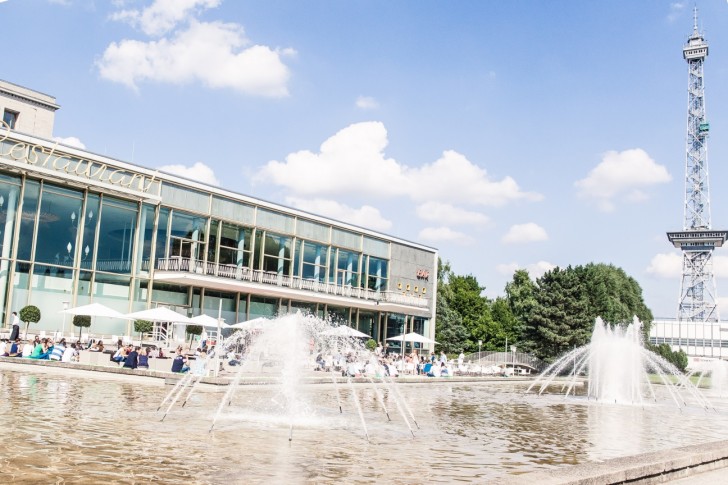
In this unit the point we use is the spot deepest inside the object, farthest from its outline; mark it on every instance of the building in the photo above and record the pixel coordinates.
(77, 227)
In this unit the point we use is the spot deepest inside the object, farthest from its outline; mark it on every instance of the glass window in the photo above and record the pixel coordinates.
(235, 245)
(9, 194)
(314, 261)
(113, 291)
(347, 268)
(377, 274)
(21, 286)
(277, 254)
(160, 251)
(58, 220)
(90, 225)
(27, 221)
(141, 294)
(50, 287)
(263, 307)
(242, 308)
(116, 236)
(175, 295)
(211, 305)
(146, 232)
(338, 314)
(187, 236)
(366, 322)
(10, 118)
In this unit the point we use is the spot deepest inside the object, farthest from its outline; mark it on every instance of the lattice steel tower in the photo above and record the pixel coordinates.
(697, 301)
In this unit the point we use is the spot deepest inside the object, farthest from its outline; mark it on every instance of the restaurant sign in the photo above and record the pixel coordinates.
(53, 160)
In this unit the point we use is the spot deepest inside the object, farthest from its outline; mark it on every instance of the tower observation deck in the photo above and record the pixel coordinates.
(697, 301)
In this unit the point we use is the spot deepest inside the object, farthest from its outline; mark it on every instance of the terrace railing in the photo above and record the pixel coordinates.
(232, 271)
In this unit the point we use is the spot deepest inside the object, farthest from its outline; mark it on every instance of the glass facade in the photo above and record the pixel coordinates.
(69, 245)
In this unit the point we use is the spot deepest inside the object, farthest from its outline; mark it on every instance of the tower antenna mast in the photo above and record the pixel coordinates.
(697, 300)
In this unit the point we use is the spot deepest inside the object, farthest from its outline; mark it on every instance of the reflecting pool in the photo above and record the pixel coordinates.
(83, 429)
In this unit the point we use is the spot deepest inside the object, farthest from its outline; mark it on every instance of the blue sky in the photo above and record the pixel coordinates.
(506, 134)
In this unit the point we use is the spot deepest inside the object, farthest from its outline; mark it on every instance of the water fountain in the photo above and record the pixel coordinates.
(619, 369)
(281, 355)
(713, 374)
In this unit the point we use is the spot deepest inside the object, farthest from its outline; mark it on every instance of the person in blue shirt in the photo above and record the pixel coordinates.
(179, 363)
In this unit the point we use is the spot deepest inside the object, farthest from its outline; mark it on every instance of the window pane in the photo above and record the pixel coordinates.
(145, 238)
(116, 236)
(27, 221)
(89, 231)
(9, 194)
(60, 214)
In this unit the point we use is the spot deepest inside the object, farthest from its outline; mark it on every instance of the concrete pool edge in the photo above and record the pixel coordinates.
(653, 467)
(113, 370)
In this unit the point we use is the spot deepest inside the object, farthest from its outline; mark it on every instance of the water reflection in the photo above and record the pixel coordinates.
(90, 431)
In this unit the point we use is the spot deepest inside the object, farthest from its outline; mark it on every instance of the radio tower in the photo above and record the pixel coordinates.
(697, 301)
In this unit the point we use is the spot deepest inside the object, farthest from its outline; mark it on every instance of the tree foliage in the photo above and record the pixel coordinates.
(567, 302)
(547, 317)
(81, 321)
(143, 326)
(29, 314)
(678, 358)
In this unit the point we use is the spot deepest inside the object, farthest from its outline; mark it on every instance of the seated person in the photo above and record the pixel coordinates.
(199, 366)
(98, 347)
(70, 354)
(4, 347)
(15, 349)
(58, 350)
(179, 363)
(143, 358)
(320, 363)
(132, 358)
(120, 355)
(27, 349)
(444, 371)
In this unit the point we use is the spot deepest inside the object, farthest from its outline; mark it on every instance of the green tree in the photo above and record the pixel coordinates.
(143, 326)
(29, 314)
(193, 330)
(521, 298)
(450, 333)
(677, 358)
(567, 302)
(371, 344)
(81, 321)
(508, 328)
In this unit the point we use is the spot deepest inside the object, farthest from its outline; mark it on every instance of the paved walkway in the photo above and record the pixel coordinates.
(715, 477)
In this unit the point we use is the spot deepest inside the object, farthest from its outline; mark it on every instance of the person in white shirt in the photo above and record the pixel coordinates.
(27, 349)
(461, 358)
(69, 354)
(3, 347)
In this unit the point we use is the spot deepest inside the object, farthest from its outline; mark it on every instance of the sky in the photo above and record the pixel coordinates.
(520, 134)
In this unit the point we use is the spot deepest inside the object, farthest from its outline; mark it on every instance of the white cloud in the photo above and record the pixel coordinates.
(676, 9)
(666, 265)
(445, 234)
(525, 233)
(722, 302)
(211, 53)
(163, 15)
(535, 270)
(669, 265)
(353, 162)
(624, 174)
(70, 141)
(199, 172)
(446, 213)
(364, 216)
(366, 102)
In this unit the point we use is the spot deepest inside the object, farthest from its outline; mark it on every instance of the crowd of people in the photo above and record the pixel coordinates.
(40, 349)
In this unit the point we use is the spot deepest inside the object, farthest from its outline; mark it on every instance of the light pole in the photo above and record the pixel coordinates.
(513, 349)
(63, 328)
(480, 364)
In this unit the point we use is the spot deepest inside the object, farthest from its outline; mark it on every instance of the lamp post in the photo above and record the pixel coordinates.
(480, 343)
(63, 328)
(513, 350)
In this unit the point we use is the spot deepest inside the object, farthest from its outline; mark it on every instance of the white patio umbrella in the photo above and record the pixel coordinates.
(159, 314)
(208, 321)
(413, 337)
(255, 324)
(343, 331)
(94, 310)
